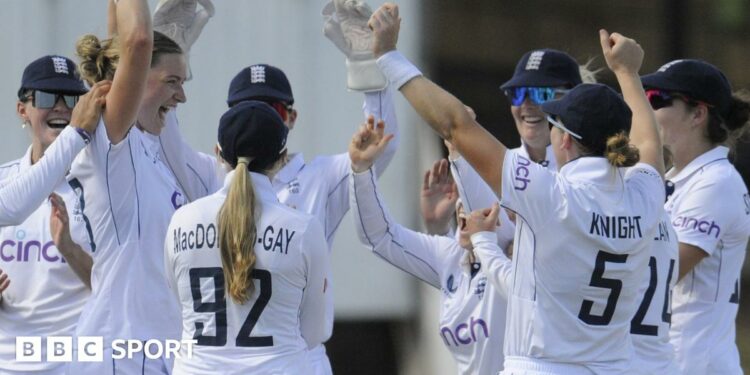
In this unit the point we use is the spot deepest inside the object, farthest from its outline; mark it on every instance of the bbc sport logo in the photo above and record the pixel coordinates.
(91, 348)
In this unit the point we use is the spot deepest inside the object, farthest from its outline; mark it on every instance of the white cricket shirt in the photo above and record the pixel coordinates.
(285, 313)
(579, 256)
(45, 296)
(130, 195)
(709, 209)
(472, 312)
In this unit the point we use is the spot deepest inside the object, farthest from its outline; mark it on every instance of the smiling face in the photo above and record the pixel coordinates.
(45, 124)
(531, 124)
(163, 91)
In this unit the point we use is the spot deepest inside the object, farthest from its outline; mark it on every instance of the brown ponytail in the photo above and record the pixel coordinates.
(98, 58)
(619, 152)
(237, 234)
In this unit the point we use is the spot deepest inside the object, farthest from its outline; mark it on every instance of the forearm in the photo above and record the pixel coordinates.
(26, 192)
(643, 133)
(496, 266)
(78, 260)
(111, 19)
(132, 20)
(380, 105)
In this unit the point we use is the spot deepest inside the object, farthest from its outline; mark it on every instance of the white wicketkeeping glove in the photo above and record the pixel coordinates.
(346, 26)
(182, 22)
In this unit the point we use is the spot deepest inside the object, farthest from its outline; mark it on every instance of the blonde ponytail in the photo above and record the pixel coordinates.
(99, 59)
(237, 234)
(619, 152)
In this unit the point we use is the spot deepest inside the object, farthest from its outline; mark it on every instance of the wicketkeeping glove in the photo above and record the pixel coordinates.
(346, 26)
(182, 22)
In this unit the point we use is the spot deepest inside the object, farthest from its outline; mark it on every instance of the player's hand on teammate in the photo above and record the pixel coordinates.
(385, 24)
(59, 222)
(368, 144)
(89, 108)
(438, 198)
(623, 55)
(483, 220)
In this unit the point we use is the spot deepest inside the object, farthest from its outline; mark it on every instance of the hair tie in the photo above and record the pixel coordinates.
(244, 160)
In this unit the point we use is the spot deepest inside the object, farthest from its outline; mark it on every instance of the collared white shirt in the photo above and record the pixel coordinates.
(472, 312)
(45, 296)
(581, 227)
(285, 312)
(709, 209)
(130, 195)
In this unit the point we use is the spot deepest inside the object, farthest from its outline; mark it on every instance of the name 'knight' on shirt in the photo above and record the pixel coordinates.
(615, 226)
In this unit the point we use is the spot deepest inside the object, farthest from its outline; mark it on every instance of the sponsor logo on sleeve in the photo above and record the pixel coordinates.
(521, 173)
(709, 228)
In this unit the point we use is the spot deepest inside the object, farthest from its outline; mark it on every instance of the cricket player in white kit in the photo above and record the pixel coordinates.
(49, 270)
(472, 313)
(249, 272)
(573, 291)
(709, 208)
(130, 191)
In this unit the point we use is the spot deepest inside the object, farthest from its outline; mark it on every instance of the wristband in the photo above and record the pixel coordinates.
(397, 68)
(84, 134)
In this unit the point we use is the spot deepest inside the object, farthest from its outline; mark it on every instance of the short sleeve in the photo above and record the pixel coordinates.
(705, 213)
(529, 189)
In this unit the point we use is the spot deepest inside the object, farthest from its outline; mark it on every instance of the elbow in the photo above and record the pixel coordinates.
(139, 41)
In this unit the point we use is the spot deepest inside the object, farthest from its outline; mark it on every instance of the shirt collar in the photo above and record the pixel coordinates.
(261, 184)
(590, 169)
(549, 157)
(717, 153)
(289, 171)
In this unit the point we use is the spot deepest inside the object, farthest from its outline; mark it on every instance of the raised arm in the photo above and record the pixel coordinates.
(624, 57)
(498, 268)
(78, 260)
(133, 23)
(441, 110)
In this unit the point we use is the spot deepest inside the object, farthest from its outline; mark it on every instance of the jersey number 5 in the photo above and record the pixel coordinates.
(598, 280)
(219, 308)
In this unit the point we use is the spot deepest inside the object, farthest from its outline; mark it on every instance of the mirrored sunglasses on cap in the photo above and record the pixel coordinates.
(558, 124)
(538, 95)
(661, 99)
(47, 100)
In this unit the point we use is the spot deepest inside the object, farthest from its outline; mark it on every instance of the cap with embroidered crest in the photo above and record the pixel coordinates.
(545, 68)
(260, 82)
(51, 73)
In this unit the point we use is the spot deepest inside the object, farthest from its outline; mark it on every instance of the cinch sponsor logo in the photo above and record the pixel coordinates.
(202, 235)
(29, 250)
(177, 200)
(522, 174)
(464, 334)
(702, 226)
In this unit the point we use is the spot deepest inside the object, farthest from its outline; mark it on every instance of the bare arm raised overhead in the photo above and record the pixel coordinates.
(125, 60)
(624, 57)
(441, 110)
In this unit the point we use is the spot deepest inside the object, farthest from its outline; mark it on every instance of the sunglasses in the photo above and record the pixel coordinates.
(662, 99)
(47, 100)
(538, 95)
(284, 109)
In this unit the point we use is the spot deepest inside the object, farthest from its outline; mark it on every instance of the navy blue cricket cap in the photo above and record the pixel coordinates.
(56, 74)
(260, 82)
(695, 79)
(252, 129)
(545, 68)
(591, 113)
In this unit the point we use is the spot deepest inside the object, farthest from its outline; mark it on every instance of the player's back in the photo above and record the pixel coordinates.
(263, 335)
(581, 250)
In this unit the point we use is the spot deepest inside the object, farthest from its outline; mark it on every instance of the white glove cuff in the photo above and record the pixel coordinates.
(397, 68)
(364, 76)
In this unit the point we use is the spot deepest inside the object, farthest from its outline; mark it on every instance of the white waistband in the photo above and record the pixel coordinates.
(543, 367)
